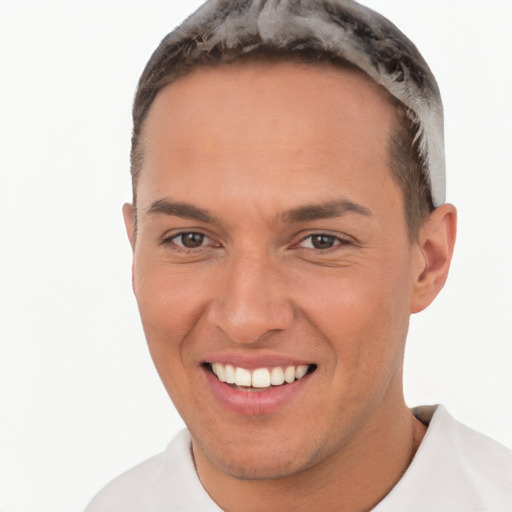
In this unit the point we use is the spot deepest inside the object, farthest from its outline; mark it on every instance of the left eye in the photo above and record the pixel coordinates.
(190, 240)
(321, 241)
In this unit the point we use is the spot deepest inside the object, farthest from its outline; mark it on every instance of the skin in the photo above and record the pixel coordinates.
(248, 144)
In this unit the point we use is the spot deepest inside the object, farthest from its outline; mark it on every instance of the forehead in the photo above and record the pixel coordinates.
(297, 89)
(251, 123)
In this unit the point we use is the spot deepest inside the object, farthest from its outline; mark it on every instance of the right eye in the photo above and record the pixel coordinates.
(189, 240)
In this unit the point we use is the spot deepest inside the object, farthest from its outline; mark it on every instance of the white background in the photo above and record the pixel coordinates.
(80, 400)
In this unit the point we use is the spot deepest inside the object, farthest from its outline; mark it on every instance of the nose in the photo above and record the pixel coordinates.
(251, 301)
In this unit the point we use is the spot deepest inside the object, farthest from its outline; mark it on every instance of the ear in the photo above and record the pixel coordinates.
(435, 250)
(129, 222)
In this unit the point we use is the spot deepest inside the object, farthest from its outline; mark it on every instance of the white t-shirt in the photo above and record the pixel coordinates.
(455, 469)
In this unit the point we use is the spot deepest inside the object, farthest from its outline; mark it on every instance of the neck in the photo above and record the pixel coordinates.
(355, 478)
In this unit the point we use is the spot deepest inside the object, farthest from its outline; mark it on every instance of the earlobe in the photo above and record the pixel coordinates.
(436, 243)
(129, 222)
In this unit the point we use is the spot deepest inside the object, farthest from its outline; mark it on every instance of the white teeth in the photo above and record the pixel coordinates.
(259, 378)
(218, 369)
(289, 374)
(301, 371)
(277, 376)
(230, 374)
(242, 377)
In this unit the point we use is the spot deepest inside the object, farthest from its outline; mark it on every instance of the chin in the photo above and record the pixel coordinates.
(257, 469)
(260, 461)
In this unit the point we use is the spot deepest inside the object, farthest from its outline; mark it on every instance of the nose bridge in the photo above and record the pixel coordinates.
(251, 300)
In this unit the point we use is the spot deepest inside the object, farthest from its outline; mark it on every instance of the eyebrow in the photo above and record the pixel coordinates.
(309, 212)
(328, 210)
(183, 210)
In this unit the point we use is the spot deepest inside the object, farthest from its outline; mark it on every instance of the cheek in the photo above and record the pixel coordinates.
(168, 297)
(170, 306)
(354, 293)
(361, 310)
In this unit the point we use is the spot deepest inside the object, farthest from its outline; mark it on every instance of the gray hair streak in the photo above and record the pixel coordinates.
(342, 29)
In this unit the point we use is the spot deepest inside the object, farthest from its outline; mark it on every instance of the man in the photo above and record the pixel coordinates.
(288, 217)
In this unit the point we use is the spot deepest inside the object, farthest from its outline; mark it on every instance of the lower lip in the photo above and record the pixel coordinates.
(252, 402)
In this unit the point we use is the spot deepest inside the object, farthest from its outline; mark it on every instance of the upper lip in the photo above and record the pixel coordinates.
(254, 361)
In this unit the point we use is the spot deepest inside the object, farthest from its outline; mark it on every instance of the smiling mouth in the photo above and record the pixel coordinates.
(259, 379)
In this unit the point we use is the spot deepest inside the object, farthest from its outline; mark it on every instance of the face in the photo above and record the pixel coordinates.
(272, 265)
